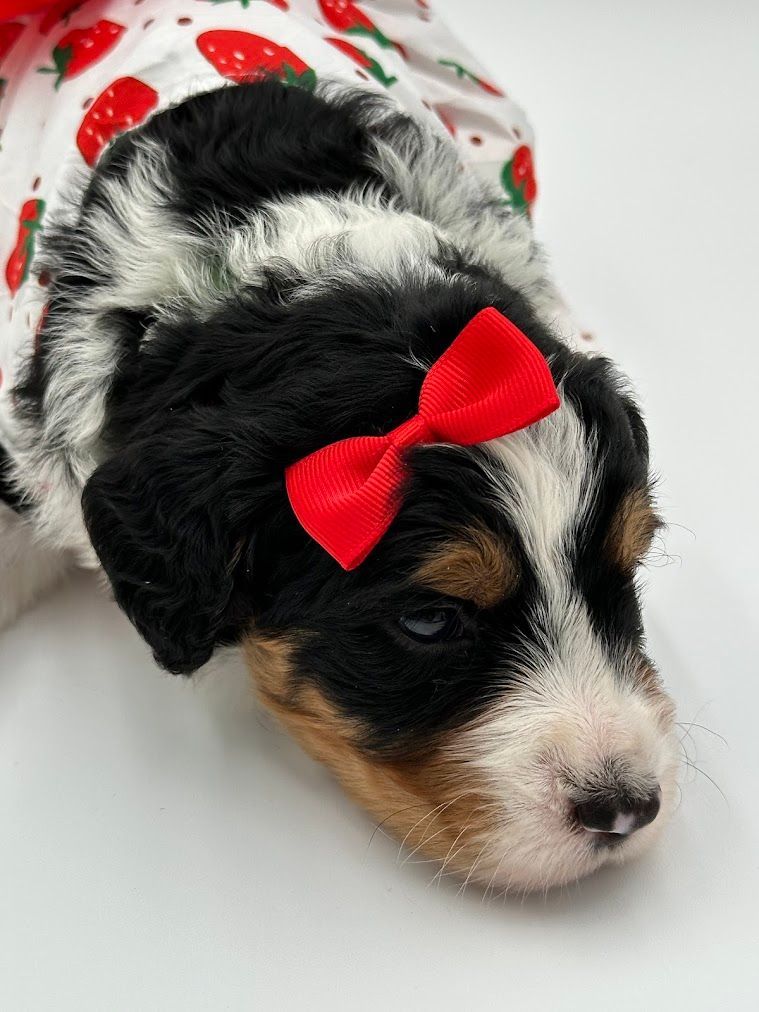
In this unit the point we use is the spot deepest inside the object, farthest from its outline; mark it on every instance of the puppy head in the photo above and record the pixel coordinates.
(479, 682)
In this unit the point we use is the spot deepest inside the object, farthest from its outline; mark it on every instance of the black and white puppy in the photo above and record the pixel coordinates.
(261, 271)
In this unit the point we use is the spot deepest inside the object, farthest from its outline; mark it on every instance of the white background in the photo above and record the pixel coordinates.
(163, 847)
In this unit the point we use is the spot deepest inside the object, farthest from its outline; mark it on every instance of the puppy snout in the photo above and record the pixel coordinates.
(617, 815)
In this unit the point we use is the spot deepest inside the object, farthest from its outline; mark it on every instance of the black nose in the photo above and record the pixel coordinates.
(618, 815)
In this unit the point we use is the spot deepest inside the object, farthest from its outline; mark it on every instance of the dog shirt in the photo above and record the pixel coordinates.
(80, 72)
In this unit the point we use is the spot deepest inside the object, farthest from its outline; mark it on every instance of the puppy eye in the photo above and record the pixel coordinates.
(433, 625)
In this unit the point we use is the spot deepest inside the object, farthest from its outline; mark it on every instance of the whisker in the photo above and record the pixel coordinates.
(681, 746)
(378, 827)
(450, 856)
(679, 800)
(439, 875)
(447, 874)
(711, 781)
(426, 860)
(692, 724)
(491, 883)
(462, 888)
(703, 727)
(682, 527)
(417, 823)
(439, 809)
(422, 843)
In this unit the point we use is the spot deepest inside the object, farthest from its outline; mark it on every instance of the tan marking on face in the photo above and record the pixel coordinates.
(269, 659)
(428, 800)
(477, 566)
(632, 529)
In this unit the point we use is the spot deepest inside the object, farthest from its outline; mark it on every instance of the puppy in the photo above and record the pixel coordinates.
(238, 284)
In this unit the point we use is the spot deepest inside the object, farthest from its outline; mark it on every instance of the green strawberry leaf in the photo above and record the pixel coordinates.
(32, 225)
(306, 80)
(375, 69)
(516, 193)
(372, 33)
(61, 59)
(460, 72)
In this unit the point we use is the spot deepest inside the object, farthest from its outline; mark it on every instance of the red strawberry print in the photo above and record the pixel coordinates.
(9, 35)
(241, 56)
(363, 60)
(81, 47)
(59, 12)
(479, 81)
(349, 18)
(446, 120)
(518, 178)
(17, 268)
(123, 105)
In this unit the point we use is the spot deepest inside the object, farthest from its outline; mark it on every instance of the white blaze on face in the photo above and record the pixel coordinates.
(571, 710)
(544, 476)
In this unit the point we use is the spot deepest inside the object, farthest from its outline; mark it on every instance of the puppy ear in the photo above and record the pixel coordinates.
(159, 516)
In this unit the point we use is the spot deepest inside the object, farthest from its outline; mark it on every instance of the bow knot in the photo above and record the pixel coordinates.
(490, 382)
(411, 433)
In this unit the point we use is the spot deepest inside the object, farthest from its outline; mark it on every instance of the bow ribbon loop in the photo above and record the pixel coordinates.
(491, 381)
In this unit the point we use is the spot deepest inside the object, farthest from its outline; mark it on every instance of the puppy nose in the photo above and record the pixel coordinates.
(619, 814)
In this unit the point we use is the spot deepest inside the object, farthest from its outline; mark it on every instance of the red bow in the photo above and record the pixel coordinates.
(491, 381)
(12, 8)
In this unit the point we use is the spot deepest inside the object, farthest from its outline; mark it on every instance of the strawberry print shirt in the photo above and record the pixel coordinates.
(80, 72)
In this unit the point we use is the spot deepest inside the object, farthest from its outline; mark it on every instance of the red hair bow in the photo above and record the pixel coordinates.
(12, 8)
(490, 382)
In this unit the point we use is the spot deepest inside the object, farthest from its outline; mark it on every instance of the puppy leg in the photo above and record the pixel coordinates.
(27, 569)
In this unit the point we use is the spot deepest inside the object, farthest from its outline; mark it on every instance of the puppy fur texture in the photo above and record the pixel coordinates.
(256, 273)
